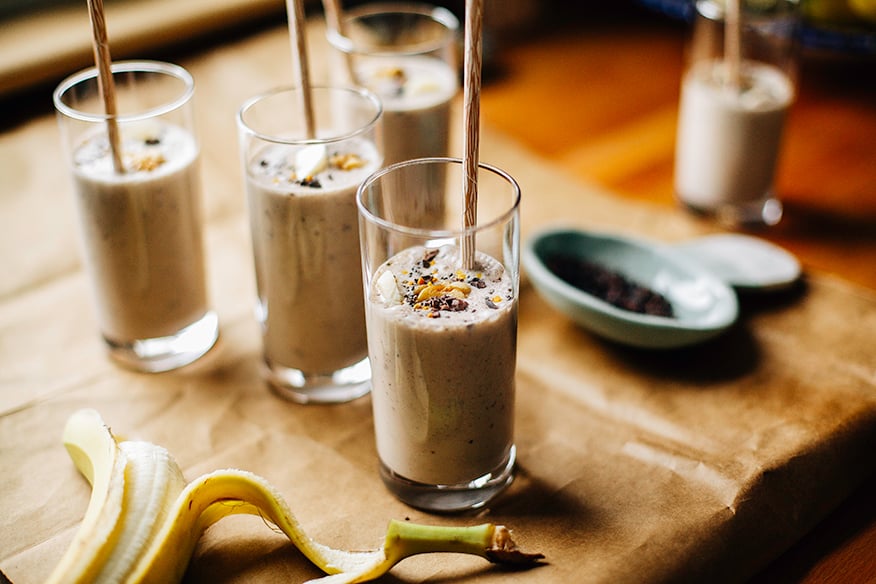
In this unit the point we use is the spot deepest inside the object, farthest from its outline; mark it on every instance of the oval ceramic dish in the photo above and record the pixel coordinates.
(703, 305)
(749, 264)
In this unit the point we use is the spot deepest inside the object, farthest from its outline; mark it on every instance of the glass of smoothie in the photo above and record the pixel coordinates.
(733, 109)
(406, 54)
(301, 192)
(140, 212)
(442, 332)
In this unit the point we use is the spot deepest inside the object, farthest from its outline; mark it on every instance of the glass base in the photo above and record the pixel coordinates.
(761, 213)
(451, 498)
(167, 353)
(305, 388)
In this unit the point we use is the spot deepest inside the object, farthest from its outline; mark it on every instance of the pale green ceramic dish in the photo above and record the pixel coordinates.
(704, 306)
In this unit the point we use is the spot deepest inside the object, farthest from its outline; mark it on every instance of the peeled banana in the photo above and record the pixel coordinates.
(143, 520)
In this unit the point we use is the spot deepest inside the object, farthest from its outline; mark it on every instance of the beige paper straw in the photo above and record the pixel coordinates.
(733, 43)
(298, 39)
(471, 93)
(105, 84)
(334, 20)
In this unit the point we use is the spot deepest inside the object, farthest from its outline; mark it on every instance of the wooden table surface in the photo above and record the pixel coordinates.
(598, 94)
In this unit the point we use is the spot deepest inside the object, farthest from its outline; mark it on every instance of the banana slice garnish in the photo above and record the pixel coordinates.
(311, 160)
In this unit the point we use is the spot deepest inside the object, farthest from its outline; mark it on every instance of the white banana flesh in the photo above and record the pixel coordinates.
(143, 520)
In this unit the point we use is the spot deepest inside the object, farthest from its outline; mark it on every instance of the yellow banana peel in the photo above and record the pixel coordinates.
(143, 520)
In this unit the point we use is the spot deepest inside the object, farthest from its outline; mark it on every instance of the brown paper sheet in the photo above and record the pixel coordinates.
(693, 465)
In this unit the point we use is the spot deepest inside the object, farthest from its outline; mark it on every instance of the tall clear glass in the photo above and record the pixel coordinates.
(406, 54)
(301, 191)
(140, 224)
(442, 331)
(730, 125)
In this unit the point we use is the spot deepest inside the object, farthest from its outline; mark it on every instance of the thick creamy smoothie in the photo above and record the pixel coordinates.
(728, 140)
(443, 348)
(142, 231)
(416, 93)
(302, 203)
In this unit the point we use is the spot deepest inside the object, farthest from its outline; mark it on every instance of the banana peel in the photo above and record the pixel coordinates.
(143, 520)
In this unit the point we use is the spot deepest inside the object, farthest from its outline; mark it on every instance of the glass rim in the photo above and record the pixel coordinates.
(362, 92)
(503, 217)
(437, 14)
(141, 66)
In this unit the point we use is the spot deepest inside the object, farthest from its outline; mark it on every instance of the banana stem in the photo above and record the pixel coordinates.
(489, 541)
(405, 539)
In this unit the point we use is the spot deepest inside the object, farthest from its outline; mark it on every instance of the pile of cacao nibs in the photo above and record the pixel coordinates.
(609, 285)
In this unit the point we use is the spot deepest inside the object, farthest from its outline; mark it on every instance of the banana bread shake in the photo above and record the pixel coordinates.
(405, 53)
(442, 331)
(142, 231)
(302, 170)
(305, 234)
(416, 93)
(443, 349)
(736, 90)
(729, 138)
(137, 188)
